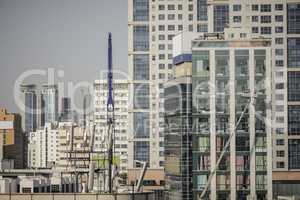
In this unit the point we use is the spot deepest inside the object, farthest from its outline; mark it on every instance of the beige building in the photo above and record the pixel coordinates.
(11, 139)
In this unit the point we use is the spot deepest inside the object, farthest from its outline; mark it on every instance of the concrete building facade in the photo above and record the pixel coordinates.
(121, 100)
(43, 147)
(11, 140)
(230, 117)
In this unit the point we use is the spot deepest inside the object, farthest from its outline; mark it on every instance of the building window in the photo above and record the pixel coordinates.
(294, 119)
(237, 19)
(279, 63)
(161, 47)
(294, 86)
(254, 7)
(141, 96)
(179, 16)
(255, 29)
(280, 164)
(161, 17)
(161, 37)
(279, 131)
(279, 18)
(140, 10)
(141, 151)
(280, 142)
(191, 7)
(293, 18)
(265, 30)
(279, 52)
(191, 28)
(278, 7)
(171, 27)
(265, 8)
(141, 124)
(141, 67)
(171, 16)
(161, 7)
(190, 17)
(294, 154)
(179, 7)
(161, 56)
(140, 38)
(278, 40)
(280, 153)
(279, 86)
(221, 17)
(170, 37)
(265, 19)
(254, 18)
(202, 28)
(161, 27)
(171, 7)
(202, 10)
(293, 52)
(237, 7)
(278, 29)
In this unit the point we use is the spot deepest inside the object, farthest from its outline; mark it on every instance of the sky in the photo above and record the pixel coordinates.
(65, 35)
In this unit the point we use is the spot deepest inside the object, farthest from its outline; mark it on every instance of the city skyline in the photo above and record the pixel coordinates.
(63, 35)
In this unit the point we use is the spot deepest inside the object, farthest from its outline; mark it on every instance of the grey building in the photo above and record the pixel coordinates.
(228, 139)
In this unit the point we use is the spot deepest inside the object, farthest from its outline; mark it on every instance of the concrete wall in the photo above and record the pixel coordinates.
(73, 196)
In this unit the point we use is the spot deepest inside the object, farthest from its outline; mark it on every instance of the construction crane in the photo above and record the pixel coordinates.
(110, 115)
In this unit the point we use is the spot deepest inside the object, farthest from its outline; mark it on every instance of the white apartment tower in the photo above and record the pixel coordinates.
(121, 95)
(151, 27)
(43, 147)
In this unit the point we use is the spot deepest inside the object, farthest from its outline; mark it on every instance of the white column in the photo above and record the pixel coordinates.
(212, 103)
(252, 124)
(232, 125)
(268, 85)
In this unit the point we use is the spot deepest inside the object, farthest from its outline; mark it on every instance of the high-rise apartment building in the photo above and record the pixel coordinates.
(121, 100)
(11, 140)
(29, 115)
(229, 100)
(43, 147)
(50, 101)
(152, 25)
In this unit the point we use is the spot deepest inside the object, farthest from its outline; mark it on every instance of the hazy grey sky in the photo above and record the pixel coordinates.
(69, 35)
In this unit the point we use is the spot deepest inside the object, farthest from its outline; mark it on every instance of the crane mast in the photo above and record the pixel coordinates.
(110, 114)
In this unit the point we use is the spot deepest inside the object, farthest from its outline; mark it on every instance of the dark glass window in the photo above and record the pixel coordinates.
(294, 86)
(237, 7)
(141, 124)
(265, 8)
(278, 29)
(202, 28)
(141, 96)
(279, 18)
(293, 18)
(202, 10)
(265, 19)
(140, 38)
(141, 151)
(294, 154)
(237, 19)
(254, 18)
(254, 7)
(140, 10)
(255, 29)
(293, 53)
(294, 119)
(265, 30)
(221, 17)
(141, 67)
(278, 6)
